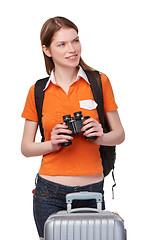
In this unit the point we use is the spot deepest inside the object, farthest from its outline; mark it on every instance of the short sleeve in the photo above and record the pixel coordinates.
(29, 111)
(108, 95)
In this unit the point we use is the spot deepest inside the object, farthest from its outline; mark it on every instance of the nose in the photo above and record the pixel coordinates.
(71, 48)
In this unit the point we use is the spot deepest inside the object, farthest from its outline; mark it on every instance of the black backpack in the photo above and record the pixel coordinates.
(108, 153)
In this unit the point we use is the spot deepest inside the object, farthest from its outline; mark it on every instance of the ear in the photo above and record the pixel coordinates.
(46, 50)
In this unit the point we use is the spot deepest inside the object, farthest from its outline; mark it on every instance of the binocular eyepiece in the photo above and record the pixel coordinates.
(75, 124)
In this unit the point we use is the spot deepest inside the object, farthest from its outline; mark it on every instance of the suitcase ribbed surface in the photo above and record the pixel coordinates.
(88, 228)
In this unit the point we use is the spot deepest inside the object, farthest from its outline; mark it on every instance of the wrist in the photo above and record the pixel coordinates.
(50, 146)
(53, 147)
(101, 139)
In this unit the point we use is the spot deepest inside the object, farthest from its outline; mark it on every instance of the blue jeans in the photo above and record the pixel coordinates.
(49, 197)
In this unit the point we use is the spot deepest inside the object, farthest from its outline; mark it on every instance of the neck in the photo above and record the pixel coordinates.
(65, 76)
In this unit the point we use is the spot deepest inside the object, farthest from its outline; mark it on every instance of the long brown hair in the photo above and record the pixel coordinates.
(49, 28)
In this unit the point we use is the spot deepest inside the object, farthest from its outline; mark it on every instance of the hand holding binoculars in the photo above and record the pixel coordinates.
(75, 124)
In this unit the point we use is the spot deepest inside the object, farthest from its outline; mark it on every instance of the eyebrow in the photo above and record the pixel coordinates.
(65, 41)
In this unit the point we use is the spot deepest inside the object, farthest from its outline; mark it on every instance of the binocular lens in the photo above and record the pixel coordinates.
(65, 144)
(78, 115)
(66, 118)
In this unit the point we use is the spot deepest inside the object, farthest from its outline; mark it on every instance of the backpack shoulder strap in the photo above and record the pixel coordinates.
(107, 152)
(97, 91)
(39, 96)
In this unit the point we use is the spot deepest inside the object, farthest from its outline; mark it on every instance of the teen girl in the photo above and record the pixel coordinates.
(77, 167)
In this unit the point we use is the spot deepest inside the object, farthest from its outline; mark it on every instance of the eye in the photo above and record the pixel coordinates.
(76, 40)
(61, 45)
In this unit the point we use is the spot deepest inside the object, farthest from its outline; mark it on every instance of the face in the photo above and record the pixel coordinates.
(65, 48)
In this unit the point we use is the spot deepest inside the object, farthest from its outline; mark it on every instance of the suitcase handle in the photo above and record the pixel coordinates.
(84, 196)
(84, 210)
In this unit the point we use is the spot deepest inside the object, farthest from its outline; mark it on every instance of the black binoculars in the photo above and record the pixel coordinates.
(75, 124)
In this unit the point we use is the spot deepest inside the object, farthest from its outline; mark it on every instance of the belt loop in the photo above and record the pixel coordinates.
(91, 188)
(36, 178)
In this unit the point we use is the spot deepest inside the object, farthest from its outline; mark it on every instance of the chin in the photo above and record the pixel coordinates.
(72, 65)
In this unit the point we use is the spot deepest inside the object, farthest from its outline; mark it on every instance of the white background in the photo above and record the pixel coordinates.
(119, 38)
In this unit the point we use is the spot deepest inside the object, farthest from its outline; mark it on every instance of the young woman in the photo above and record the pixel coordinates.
(77, 167)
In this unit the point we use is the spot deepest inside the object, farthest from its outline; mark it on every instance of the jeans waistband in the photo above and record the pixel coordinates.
(64, 188)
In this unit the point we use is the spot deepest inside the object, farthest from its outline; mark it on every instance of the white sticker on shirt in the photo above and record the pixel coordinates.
(88, 104)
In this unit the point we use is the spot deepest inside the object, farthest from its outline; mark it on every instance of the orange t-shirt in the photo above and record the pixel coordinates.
(82, 157)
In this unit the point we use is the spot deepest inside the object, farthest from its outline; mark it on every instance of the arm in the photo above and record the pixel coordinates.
(30, 148)
(114, 137)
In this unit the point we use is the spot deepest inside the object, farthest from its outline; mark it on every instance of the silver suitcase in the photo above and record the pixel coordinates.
(84, 223)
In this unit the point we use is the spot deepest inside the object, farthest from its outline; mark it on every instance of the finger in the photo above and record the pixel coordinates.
(61, 131)
(89, 120)
(59, 141)
(90, 125)
(61, 136)
(95, 133)
(60, 126)
(96, 130)
(92, 130)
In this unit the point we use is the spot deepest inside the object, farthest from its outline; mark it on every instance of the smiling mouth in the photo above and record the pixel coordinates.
(72, 57)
